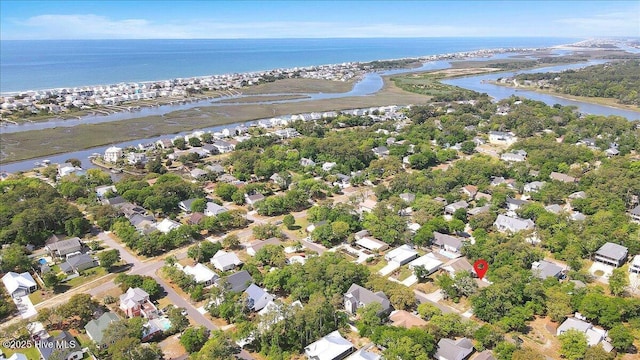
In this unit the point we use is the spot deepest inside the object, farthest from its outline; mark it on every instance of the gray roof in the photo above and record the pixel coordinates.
(448, 240)
(544, 269)
(454, 350)
(238, 282)
(635, 211)
(115, 200)
(81, 259)
(63, 343)
(613, 251)
(514, 224)
(485, 355)
(215, 208)
(64, 245)
(366, 296)
(187, 203)
(574, 324)
(478, 210)
(97, 327)
(517, 202)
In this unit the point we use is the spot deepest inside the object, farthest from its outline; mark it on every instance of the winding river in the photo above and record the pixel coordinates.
(369, 84)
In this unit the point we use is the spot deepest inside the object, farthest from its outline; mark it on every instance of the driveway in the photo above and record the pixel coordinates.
(391, 267)
(125, 255)
(25, 307)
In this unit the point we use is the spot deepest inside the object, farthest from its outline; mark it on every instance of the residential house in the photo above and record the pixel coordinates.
(470, 191)
(60, 347)
(164, 144)
(380, 151)
(227, 178)
(328, 166)
(478, 210)
(368, 205)
(185, 205)
(513, 225)
(18, 285)
(223, 146)
(408, 197)
(101, 191)
(428, 261)
(113, 154)
(451, 208)
(485, 355)
(315, 225)
(257, 297)
(361, 234)
(612, 254)
(236, 282)
(135, 302)
(343, 181)
(635, 213)
(513, 157)
(448, 243)
(610, 152)
(594, 335)
(201, 274)
(502, 138)
(114, 201)
(195, 218)
(372, 244)
(198, 173)
(95, 328)
(449, 349)
(216, 169)
(136, 158)
(17, 356)
(225, 261)
(635, 265)
(167, 225)
(358, 296)
(499, 180)
(456, 265)
(401, 255)
(544, 269)
(214, 209)
(480, 195)
(562, 177)
(307, 162)
(515, 204)
(331, 347)
(75, 264)
(255, 246)
(60, 248)
(363, 354)
(533, 186)
(554, 208)
(405, 319)
(143, 223)
(68, 169)
(253, 199)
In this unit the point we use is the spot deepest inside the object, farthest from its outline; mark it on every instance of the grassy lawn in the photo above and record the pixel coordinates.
(30, 352)
(86, 276)
(37, 297)
(404, 273)
(375, 268)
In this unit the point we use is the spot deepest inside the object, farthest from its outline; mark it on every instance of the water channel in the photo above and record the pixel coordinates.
(369, 84)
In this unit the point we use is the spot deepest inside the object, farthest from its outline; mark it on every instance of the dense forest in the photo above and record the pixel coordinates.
(620, 80)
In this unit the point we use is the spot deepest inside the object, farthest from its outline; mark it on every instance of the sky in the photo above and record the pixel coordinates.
(45, 20)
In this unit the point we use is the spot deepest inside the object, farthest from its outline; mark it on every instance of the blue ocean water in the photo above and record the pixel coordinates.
(33, 65)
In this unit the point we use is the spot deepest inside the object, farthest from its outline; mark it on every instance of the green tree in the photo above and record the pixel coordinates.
(231, 241)
(266, 231)
(428, 310)
(195, 142)
(289, 221)
(151, 286)
(14, 258)
(598, 353)
(272, 255)
(574, 345)
(487, 336)
(405, 348)
(618, 281)
(194, 338)
(527, 353)
(109, 258)
(370, 317)
(218, 347)
(198, 205)
(225, 191)
(179, 322)
(50, 280)
(621, 337)
(180, 143)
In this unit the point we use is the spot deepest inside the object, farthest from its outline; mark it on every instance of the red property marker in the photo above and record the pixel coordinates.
(481, 267)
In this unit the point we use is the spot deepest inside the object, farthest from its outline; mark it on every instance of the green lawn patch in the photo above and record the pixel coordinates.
(30, 352)
(86, 276)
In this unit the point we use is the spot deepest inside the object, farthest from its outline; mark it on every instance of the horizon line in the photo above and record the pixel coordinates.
(348, 37)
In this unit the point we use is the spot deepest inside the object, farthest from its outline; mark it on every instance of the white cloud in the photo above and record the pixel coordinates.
(90, 26)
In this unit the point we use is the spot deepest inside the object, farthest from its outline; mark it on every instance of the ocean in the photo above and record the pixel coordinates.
(35, 65)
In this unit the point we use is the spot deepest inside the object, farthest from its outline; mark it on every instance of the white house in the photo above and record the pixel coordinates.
(19, 284)
(594, 335)
(513, 225)
(113, 154)
(328, 166)
(225, 261)
(635, 265)
(167, 225)
(429, 261)
(502, 138)
(201, 274)
(331, 347)
(401, 255)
